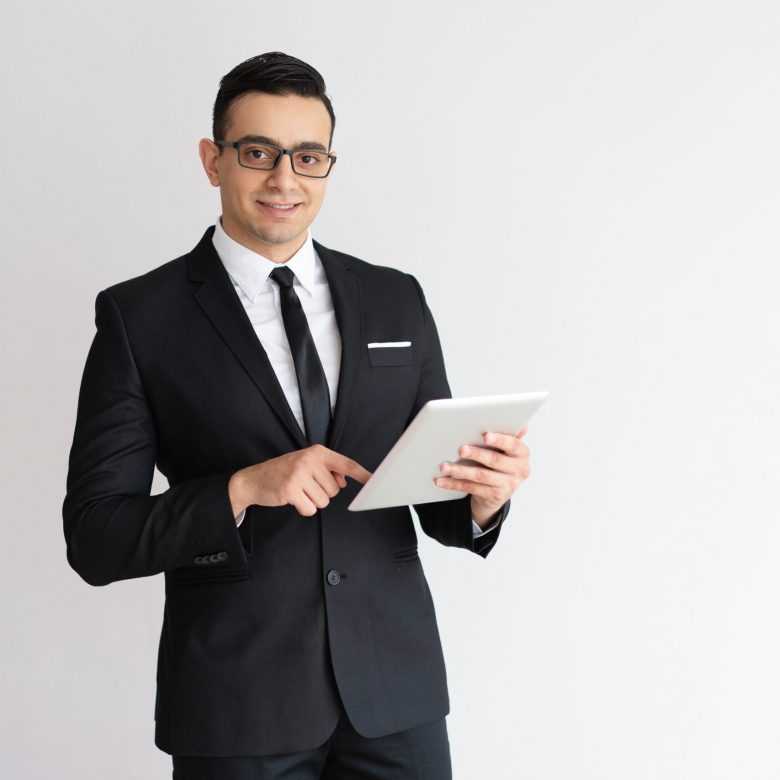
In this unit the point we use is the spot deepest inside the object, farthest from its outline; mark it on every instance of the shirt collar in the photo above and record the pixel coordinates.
(250, 270)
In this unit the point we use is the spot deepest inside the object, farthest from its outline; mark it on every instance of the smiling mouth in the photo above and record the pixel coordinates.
(280, 208)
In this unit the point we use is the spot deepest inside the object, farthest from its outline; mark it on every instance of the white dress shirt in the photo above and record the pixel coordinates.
(259, 295)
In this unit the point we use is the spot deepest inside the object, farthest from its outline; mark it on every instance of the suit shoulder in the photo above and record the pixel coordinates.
(155, 285)
(373, 272)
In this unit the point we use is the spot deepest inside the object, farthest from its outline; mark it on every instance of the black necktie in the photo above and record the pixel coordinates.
(312, 385)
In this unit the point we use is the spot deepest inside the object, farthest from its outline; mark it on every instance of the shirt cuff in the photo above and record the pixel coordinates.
(477, 531)
(240, 518)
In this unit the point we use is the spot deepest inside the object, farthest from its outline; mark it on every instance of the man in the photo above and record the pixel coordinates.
(299, 639)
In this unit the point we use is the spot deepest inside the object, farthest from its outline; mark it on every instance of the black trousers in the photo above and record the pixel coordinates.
(421, 753)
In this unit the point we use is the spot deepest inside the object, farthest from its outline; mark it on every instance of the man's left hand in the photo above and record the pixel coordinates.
(491, 484)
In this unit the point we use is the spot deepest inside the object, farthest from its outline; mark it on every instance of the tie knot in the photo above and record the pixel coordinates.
(283, 276)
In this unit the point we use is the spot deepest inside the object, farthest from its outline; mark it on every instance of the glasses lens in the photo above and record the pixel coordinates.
(308, 163)
(257, 156)
(263, 157)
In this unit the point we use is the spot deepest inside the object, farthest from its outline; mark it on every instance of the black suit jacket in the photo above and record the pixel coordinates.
(258, 641)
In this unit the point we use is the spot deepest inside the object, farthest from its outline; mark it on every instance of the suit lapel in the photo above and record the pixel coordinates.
(222, 306)
(345, 291)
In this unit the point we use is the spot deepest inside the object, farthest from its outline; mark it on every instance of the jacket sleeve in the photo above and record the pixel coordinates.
(449, 522)
(114, 529)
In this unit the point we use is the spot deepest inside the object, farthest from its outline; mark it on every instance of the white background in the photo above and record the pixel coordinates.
(588, 193)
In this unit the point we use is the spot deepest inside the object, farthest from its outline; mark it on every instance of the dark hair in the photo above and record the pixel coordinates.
(275, 73)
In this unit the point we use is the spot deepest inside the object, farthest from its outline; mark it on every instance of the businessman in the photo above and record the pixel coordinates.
(266, 376)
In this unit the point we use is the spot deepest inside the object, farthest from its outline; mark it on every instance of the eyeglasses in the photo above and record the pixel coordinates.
(265, 157)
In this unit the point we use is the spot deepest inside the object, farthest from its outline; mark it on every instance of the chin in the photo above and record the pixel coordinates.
(280, 235)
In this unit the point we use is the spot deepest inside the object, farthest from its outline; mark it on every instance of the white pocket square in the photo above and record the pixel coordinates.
(389, 344)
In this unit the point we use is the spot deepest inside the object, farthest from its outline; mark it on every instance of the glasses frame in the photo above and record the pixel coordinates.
(238, 144)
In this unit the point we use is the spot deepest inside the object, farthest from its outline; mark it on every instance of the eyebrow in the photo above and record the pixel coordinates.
(262, 139)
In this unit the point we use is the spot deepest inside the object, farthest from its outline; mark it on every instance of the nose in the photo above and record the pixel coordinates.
(283, 176)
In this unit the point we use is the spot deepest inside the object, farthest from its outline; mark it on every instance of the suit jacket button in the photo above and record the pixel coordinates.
(334, 577)
(214, 558)
(222, 556)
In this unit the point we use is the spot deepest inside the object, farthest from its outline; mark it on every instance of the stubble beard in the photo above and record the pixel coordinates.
(276, 234)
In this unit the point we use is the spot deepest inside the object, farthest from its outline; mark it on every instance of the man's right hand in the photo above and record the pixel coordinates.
(306, 478)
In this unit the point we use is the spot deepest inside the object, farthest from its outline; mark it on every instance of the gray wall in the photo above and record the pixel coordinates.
(589, 196)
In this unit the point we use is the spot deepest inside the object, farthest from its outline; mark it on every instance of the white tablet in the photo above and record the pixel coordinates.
(439, 430)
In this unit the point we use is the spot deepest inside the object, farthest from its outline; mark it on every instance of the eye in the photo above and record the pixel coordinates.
(258, 151)
(309, 158)
(258, 156)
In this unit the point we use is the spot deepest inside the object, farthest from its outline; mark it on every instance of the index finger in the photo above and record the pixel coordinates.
(335, 461)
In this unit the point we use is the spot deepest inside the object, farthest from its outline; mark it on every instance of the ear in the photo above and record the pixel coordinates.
(209, 156)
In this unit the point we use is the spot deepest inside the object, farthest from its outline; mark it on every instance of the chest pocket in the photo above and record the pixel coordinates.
(391, 353)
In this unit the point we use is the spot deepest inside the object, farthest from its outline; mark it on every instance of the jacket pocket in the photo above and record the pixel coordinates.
(391, 356)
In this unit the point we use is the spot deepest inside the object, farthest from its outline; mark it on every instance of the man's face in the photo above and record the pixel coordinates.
(247, 194)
